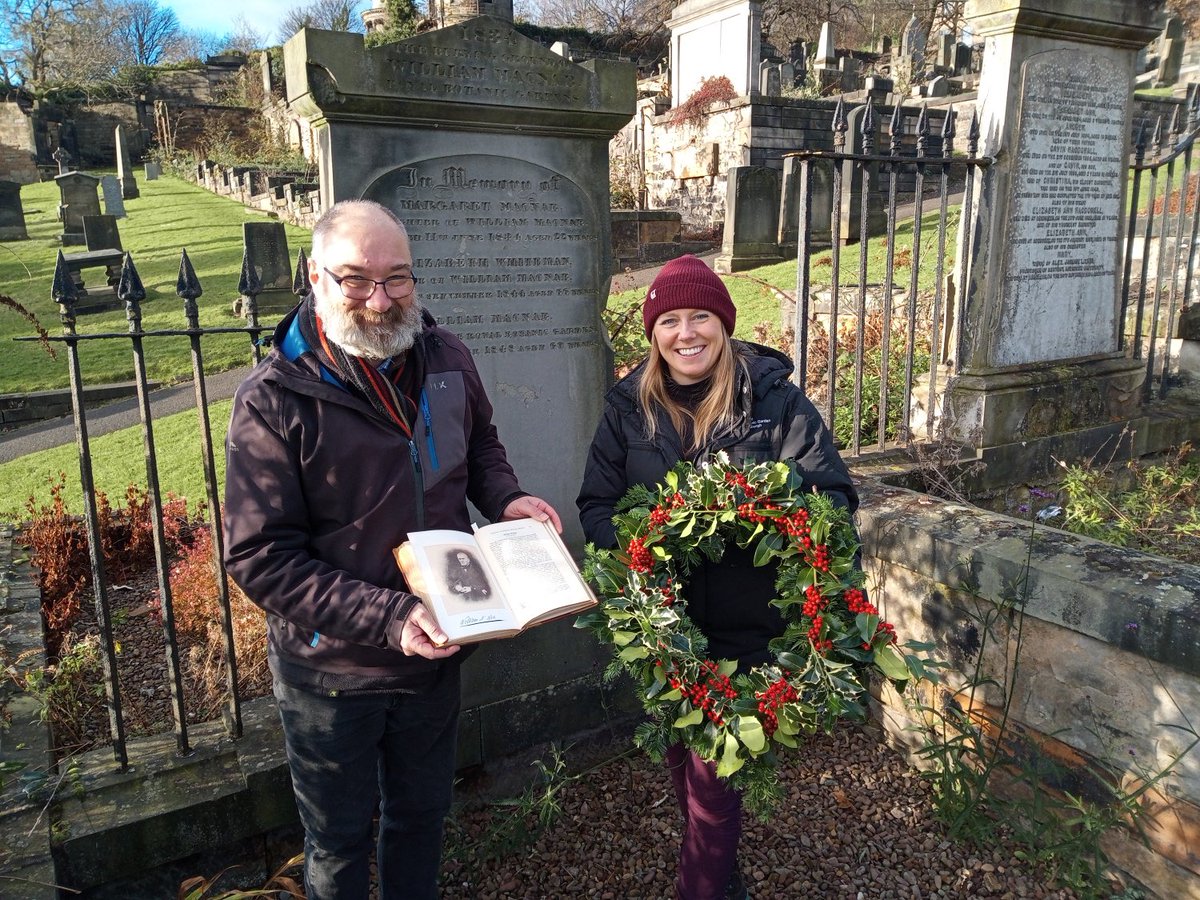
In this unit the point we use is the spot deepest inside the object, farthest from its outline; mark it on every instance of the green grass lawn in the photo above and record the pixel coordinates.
(170, 215)
(118, 460)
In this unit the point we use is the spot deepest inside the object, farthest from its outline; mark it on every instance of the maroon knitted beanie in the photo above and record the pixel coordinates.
(687, 283)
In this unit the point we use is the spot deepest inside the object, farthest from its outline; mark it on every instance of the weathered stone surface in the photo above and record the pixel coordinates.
(77, 198)
(12, 214)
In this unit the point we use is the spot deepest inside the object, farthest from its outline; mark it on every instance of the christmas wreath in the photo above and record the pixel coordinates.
(834, 638)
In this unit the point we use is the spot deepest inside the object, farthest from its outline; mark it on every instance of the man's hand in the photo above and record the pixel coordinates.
(532, 508)
(421, 636)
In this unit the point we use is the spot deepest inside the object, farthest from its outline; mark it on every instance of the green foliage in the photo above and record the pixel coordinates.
(69, 691)
(516, 823)
(623, 320)
(1147, 506)
(403, 19)
(835, 637)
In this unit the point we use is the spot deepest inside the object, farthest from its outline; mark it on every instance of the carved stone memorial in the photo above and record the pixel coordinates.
(12, 214)
(78, 198)
(114, 203)
(494, 151)
(267, 245)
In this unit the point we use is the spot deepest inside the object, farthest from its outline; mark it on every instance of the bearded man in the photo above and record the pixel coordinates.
(366, 421)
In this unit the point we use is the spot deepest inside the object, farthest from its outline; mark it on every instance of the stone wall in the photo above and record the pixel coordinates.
(18, 152)
(95, 131)
(1109, 656)
(686, 164)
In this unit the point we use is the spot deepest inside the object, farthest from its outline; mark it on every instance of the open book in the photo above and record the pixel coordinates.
(504, 578)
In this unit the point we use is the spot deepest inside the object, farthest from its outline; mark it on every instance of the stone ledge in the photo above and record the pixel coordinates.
(36, 406)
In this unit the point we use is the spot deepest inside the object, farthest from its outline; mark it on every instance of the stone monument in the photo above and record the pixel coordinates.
(266, 245)
(114, 203)
(1036, 352)
(826, 73)
(12, 214)
(77, 198)
(710, 38)
(494, 151)
(129, 188)
(751, 219)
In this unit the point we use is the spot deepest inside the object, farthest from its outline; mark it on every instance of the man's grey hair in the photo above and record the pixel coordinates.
(331, 219)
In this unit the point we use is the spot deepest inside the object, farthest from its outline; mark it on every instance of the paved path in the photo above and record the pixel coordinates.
(115, 415)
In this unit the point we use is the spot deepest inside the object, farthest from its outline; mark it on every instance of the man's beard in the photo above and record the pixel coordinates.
(369, 334)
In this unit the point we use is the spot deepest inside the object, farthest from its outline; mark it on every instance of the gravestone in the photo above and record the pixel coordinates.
(820, 205)
(751, 219)
(826, 73)
(12, 214)
(856, 179)
(913, 40)
(153, 171)
(494, 152)
(506, 203)
(114, 203)
(129, 188)
(768, 79)
(848, 67)
(63, 158)
(710, 38)
(878, 88)
(938, 87)
(798, 57)
(78, 198)
(1170, 62)
(101, 233)
(266, 243)
(1037, 351)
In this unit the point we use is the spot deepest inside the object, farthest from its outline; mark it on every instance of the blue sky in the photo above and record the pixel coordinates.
(220, 16)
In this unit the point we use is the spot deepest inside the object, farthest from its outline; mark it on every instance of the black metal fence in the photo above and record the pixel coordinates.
(1159, 263)
(131, 291)
(929, 172)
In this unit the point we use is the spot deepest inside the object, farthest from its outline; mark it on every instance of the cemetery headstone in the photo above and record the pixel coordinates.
(825, 65)
(938, 87)
(820, 206)
(724, 33)
(506, 204)
(1170, 62)
(962, 58)
(114, 203)
(12, 214)
(153, 171)
(751, 219)
(798, 56)
(63, 158)
(78, 198)
(494, 152)
(1042, 290)
(848, 69)
(266, 243)
(129, 188)
(878, 88)
(912, 41)
(101, 233)
(856, 179)
(768, 79)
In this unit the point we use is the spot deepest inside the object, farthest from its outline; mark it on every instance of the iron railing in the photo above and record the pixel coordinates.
(1158, 237)
(131, 291)
(924, 169)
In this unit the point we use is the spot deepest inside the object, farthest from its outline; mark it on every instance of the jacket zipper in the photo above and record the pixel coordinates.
(419, 477)
(433, 460)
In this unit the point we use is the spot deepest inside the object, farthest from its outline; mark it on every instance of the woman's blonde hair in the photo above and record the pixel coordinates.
(716, 411)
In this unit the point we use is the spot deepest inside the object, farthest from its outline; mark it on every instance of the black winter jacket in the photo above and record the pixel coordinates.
(319, 489)
(728, 600)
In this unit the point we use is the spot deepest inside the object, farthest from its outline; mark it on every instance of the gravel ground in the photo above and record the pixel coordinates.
(857, 823)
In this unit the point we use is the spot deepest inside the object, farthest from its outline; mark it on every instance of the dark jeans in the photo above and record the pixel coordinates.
(712, 826)
(348, 751)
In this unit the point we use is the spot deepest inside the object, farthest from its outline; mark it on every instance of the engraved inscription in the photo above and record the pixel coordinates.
(484, 64)
(1063, 231)
(504, 249)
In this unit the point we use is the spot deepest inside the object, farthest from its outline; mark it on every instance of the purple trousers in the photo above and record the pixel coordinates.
(712, 826)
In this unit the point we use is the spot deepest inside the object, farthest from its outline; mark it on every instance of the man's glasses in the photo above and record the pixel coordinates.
(356, 287)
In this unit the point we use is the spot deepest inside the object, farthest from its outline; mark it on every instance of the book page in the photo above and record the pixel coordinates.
(538, 574)
(464, 594)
